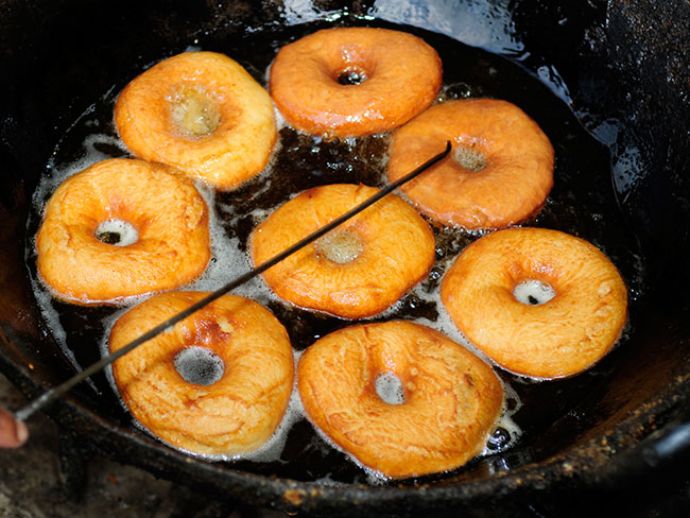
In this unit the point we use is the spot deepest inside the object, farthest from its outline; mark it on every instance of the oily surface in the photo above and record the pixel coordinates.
(452, 398)
(396, 250)
(402, 76)
(235, 415)
(559, 338)
(581, 203)
(167, 211)
(235, 151)
(511, 186)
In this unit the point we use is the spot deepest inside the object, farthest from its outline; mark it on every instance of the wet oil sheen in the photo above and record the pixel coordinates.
(581, 203)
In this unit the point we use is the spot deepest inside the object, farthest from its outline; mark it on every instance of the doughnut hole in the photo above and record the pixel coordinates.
(469, 158)
(199, 365)
(340, 246)
(117, 232)
(392, 375)
(352, 76)
(193, 111)
(533, 292)
(389, 388)
(352, 68)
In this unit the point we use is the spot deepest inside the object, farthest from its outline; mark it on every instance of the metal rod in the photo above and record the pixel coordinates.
(51, 394)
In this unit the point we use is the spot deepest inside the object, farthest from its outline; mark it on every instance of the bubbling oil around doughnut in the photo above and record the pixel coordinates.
(577, 205)
(95, 146)
(229, 259)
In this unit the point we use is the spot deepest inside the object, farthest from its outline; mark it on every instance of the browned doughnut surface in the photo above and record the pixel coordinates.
(557, 338)
(401, 77)
(451, 398)
(499, 173)
(236, 414)
(358, 269)
(202, 113)
(166, 211)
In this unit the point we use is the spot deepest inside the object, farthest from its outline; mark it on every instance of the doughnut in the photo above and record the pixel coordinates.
(540, 303)
(358, 269)
(499, 172)
(201, 113)
(349, 82)
(217, 384)
(121, 228)
(401, 398)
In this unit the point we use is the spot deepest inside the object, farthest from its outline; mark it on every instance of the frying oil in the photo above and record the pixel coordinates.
(581, 203)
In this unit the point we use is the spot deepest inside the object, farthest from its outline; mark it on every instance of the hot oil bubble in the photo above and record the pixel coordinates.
(94, 148)
(228, 261)
(51, 319)
(506, 431)
(272, 450)
(498, 439)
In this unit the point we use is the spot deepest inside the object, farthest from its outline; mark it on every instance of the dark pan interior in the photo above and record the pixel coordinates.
(619, 67)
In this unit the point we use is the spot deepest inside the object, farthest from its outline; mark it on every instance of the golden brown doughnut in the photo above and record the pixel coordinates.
(168, 219)
(499, 173)
(541, 336)
(202, 113)
(233, 416)
(358, 269)
(451, 398)
(401, 77)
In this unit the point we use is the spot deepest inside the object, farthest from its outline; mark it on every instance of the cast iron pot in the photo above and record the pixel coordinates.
(621, 66)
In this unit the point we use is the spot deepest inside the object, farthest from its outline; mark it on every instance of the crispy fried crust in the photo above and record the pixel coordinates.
(167, 211)
(452, 398)
(235, 151)
(235, 415)
(403, 76)
(396, 251)
(560, 338)
(512, 185)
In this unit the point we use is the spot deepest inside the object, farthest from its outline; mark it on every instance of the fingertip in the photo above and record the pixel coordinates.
(13, 433)
(22, 432)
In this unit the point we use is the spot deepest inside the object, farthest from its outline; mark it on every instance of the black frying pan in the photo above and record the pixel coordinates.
(621, 71)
